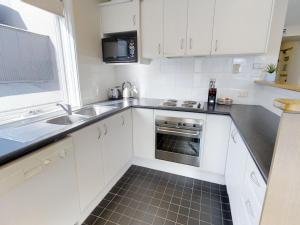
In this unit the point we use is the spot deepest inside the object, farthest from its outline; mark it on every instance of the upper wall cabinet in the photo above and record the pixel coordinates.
(241, 26)
(175, 26)
(152, 28)
(188, 26)
(120, 16)
(200, 27)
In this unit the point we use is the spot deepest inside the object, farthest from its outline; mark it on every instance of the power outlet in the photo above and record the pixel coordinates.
(243, 94)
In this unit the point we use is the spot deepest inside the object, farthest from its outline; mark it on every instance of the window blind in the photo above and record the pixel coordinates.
(54, 6)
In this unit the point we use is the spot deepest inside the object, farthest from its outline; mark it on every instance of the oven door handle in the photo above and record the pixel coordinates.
(177, 131)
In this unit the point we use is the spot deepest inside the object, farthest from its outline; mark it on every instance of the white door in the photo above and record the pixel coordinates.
(200, 27)
(143, 133)
(216, 143)
(152, 28)
(41, 188)
(241, 26)
(119, 17)
(175, 27)
(87, 144)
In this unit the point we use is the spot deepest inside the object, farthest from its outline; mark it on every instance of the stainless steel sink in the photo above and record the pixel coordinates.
(65, 120)
(95, 110)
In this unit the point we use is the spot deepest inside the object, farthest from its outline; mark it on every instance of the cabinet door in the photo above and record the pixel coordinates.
(241, 26)
(234, 175)
(175, 27)
(87, 144)
(125, 138)
(200, 27)
(152, 28)
(41, 188)
(120, 17)
(216, 143)
(143, 133)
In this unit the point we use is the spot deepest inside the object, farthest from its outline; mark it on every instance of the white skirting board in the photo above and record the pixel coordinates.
(180, 169)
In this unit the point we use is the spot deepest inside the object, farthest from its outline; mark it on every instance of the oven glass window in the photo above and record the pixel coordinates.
(178, 144)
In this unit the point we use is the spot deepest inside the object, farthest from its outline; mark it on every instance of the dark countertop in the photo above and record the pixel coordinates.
(257, 126)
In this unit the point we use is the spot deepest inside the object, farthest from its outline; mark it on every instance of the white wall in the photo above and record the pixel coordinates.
(95, 78)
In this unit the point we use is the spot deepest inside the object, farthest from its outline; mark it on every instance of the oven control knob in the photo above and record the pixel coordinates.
(183, 124)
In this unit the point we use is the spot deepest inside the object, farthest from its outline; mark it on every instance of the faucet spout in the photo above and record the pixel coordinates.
(66, 107)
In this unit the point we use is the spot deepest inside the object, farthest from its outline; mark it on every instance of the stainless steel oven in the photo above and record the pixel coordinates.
(178, 140)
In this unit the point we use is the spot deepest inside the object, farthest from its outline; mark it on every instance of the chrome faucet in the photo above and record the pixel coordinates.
(66, 107)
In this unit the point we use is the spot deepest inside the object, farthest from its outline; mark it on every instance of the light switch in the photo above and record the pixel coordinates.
(236, 68)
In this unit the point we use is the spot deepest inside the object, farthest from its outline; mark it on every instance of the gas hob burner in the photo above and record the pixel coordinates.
(172, 100)
(186, 105)
(171, 104)
(190, 102)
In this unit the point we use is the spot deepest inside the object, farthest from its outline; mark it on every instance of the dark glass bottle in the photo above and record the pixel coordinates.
(212, 93)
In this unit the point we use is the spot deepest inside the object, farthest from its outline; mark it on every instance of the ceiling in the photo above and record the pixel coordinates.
(293, 13)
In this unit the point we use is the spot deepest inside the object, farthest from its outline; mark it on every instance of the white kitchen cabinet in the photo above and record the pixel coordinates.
(216, 143)
(41, 188)
(175, 27)
(200, 27)
(117, 148)
(119, 16)
(234, 175)
(152, 28)
(143, 133)
(89, 161)
(241, 26)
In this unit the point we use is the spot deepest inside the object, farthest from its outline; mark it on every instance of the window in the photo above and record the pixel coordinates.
(32, 65)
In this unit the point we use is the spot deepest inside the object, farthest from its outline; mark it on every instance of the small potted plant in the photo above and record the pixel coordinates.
(270, 72)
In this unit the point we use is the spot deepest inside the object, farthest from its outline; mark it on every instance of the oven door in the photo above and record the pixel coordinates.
(178, 145)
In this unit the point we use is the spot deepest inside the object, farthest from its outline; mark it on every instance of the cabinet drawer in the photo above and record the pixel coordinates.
(252, 207)
(254, 180)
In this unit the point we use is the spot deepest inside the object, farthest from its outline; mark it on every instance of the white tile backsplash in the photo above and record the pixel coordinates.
(188, 78)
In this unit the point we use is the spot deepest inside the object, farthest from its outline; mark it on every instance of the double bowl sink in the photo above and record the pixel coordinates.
(81, 115)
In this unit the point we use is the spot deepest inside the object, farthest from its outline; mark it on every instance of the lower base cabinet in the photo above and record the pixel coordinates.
(41, 188)
(89, 163)
(246, 188)
(143, 133)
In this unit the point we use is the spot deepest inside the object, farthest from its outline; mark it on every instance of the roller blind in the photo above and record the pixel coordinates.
(54, 6)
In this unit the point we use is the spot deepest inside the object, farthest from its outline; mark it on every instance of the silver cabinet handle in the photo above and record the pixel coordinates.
(182, 43)
(123, 120)
(159, 49)
(99, 133)
(233, 136)
(105, 129)
(216, 45)
(191, 43)
(249, 208)
(254, 179)
(134, 20)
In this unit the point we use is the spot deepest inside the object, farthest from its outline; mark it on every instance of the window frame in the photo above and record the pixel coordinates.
(68, 77)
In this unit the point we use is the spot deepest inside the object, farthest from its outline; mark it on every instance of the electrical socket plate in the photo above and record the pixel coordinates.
(243, 94)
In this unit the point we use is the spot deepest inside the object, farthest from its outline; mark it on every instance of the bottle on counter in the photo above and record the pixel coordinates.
(212, 93)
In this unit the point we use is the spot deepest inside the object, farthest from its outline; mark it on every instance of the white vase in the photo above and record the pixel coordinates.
(271, 77)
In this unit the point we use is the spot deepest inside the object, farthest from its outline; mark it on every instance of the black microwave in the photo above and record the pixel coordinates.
(120, 49)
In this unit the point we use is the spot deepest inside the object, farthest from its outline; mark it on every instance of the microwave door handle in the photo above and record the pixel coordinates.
(165, 130)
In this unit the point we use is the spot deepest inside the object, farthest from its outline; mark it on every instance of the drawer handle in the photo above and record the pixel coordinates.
(32, 172)
(233, 137)
(254, 179)
(99, 133)
(134, 20)
(105, 129)
(249, 208)
(123, 120)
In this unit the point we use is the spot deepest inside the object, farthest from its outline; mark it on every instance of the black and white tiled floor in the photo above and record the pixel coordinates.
(150, 197)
